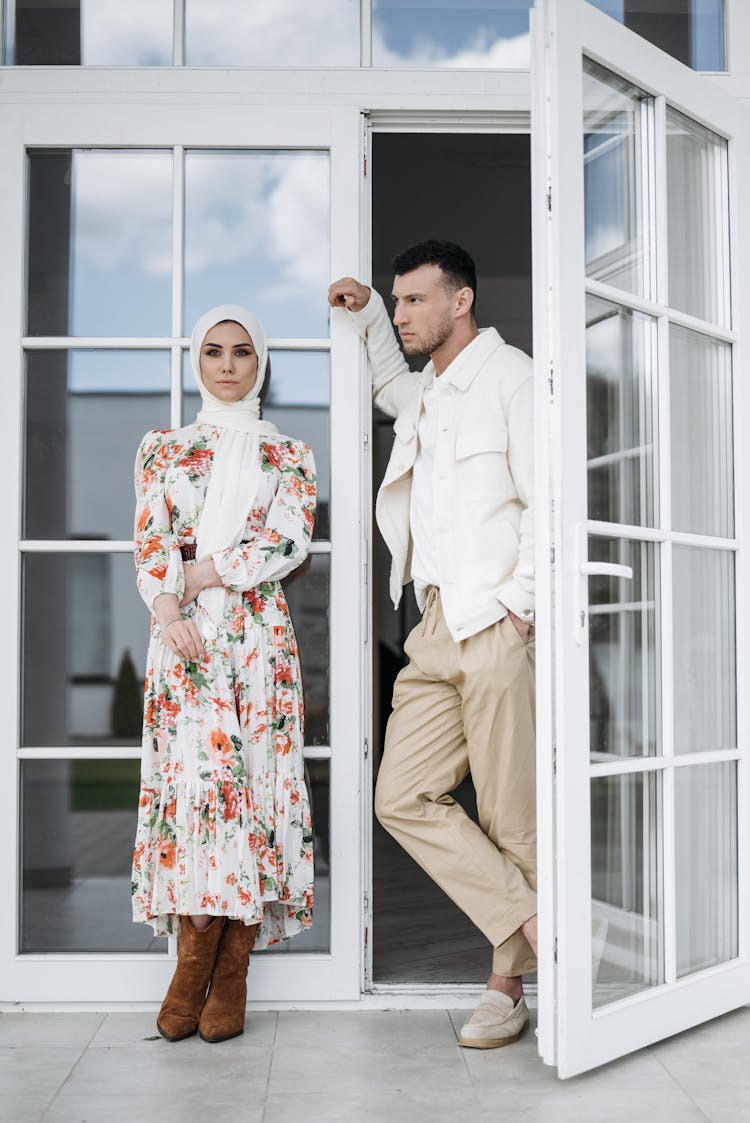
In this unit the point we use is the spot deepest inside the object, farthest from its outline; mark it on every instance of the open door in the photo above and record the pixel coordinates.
(641, 306)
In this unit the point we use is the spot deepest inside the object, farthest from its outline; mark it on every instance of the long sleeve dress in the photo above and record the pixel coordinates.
(224, 820)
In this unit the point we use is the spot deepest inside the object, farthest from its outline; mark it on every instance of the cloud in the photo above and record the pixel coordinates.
(483, 51)
(136, 33)
(122, 210)
(285, 33)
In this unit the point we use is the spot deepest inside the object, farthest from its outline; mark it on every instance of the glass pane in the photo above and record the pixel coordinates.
(85, 634)
(307, 595)
(706, 865)
(691, 30)
(697, 232)
(256, 234)
(91, 32)
(705, 672)
(626, 876)
(621, 414)
(272, 33)
(79, 459)
(100, 243)
(447, 33)
(624, 684)
(78, 822)
(317, 938)
(701, 433)
(614, 207)
(297, 399)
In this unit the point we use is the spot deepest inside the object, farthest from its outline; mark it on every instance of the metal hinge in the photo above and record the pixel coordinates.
(365, 440)
(367, 753)
(551, 381)
(367, 905)
(555, 950)
(552, 555)
(554, 760)
(549, 200)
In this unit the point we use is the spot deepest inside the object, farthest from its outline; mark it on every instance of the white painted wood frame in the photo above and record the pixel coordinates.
(107, 978)
(572, 1034)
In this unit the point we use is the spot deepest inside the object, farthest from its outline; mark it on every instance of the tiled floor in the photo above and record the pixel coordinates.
(374, 1067)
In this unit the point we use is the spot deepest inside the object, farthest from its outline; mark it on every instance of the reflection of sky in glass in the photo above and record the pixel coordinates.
(121, 243)
(706, 27)
(256, 234)
(136, 33)
(118, 372)
(296, 378)
(272, 33)
(482, 33)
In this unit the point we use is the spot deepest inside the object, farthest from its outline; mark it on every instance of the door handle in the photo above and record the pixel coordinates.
(606, 569)
(587, 569)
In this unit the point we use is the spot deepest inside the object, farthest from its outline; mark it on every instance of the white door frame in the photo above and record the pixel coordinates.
(571, 1035)
(278, 978)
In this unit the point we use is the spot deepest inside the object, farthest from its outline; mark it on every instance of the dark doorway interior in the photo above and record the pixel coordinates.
(473, 189)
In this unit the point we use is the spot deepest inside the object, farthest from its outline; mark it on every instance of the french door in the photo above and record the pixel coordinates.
(127, 223)
(641, 252)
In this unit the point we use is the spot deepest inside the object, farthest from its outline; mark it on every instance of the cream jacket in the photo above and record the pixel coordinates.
(484, 472)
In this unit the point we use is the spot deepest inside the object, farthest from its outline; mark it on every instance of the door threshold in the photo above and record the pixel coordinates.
(431, 996)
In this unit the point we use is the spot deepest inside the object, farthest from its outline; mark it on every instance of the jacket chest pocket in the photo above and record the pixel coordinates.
(481, 461)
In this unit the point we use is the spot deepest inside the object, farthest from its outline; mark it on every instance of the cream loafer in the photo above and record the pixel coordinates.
(497, 1021)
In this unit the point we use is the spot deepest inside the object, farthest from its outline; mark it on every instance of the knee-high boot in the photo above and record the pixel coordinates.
(183, 1002)
(223, 1015)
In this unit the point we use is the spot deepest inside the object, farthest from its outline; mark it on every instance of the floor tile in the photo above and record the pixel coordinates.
(67, 1031)
(405, 1107)
(32, 1076)
(185, 1068)
(164, 1107)
(417, 1032)
(723, 1105)
(375, 1053)
(701, 1059)
(139, 1028)
(568, 1104)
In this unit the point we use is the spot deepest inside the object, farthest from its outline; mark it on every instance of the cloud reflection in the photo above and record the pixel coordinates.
(138, 33)
(285, 33)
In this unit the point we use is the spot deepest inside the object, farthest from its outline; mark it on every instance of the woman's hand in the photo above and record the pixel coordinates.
(198, 577)
(180, 636)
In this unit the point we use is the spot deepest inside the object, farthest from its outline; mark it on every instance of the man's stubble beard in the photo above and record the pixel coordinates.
(435, 338)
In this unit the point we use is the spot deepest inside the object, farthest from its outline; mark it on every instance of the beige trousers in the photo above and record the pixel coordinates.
(459, 708)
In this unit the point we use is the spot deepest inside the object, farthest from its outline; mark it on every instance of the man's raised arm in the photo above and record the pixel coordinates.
(393, 384)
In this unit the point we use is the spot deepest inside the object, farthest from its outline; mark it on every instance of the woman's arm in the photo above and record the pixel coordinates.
(285, 540)
(158, 561)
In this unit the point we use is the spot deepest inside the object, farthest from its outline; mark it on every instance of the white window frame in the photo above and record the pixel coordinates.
(571, 1035)
(295, 975)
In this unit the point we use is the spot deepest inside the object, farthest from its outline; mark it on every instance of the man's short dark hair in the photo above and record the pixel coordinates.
(456, 264)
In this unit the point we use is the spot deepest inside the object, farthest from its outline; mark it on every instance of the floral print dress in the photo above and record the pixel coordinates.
(224, 819)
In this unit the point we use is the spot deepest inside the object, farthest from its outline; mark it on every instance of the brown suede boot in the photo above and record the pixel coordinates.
(223, 1015)
(196, 955)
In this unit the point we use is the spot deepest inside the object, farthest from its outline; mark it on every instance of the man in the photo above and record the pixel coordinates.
(456, 511)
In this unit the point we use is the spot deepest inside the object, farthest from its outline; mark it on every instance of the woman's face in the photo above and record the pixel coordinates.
(229, 362)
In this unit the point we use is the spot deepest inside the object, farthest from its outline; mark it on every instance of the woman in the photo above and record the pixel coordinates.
(223, 853)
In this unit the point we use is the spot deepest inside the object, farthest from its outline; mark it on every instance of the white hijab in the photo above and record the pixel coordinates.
(236, 471)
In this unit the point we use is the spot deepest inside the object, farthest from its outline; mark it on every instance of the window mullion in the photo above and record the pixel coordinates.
(178, 33)
(178, 268)
(365, 33)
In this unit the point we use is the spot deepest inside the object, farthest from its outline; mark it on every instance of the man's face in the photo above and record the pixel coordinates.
(423, 310)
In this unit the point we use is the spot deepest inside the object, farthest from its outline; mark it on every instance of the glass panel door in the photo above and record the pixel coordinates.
(125, 245)
(641, 350)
